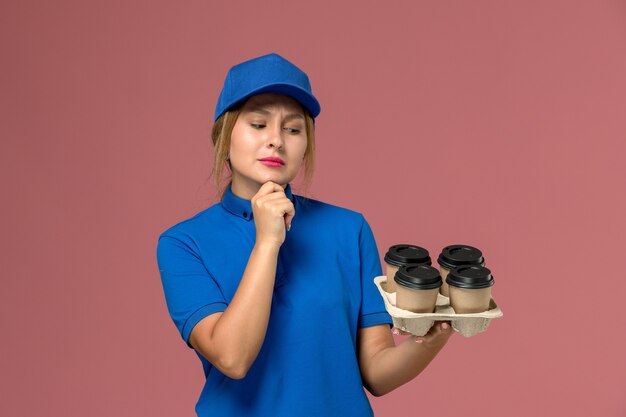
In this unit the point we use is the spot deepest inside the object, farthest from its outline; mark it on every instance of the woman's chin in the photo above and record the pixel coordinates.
(278, 179)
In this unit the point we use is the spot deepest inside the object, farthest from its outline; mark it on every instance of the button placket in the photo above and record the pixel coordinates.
(281, 275)
(280, 270)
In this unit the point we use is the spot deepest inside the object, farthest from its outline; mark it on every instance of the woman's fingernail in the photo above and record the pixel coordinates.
(418, 340)
(289, 227)
(444, 326)
(395, 331)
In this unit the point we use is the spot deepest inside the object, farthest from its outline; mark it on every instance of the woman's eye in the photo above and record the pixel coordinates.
(257, 125)
(292, 130)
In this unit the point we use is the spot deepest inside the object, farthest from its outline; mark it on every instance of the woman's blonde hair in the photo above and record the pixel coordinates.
(221, 134)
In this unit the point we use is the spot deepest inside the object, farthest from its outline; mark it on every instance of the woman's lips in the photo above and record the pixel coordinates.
(271, 163)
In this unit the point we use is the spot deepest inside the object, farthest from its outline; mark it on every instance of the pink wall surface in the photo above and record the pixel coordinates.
(495, 123)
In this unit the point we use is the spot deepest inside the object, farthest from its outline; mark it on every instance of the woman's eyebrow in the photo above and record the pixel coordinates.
(294, 116)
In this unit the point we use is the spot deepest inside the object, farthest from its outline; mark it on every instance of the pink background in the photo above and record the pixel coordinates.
(494, 123)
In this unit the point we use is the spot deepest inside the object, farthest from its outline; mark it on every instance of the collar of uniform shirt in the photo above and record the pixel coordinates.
(243, 208)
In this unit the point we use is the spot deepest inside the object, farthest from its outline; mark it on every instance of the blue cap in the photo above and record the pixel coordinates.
(266, 74)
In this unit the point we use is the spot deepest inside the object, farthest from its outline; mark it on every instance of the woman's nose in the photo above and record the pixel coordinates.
(275, 137)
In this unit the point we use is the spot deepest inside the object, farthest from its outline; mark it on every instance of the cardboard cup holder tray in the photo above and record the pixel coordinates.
(419, 323)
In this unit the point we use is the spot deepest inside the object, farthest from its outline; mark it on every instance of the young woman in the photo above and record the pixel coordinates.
(273, 290)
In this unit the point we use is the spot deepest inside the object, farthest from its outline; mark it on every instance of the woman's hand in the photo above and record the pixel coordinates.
(273, 213)
(385, 366)
(437, 336)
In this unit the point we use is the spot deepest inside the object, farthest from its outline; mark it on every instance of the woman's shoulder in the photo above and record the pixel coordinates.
(316, 207)
(193, 223)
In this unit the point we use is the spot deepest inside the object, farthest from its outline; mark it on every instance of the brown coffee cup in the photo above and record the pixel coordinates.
(470, 289)
(401, 255)
(417, 288)
(454, 256)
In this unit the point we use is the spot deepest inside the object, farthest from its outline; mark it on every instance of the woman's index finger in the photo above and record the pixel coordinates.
(268, 188)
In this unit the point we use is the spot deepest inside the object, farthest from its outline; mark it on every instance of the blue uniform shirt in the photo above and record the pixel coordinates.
(324, 291)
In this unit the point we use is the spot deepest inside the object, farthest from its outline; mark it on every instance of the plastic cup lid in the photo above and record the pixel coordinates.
(470, 276)
(457, 255)
(404, 254)
(420, 277)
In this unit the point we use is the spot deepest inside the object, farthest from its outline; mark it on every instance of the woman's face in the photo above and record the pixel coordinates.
(269, 125)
